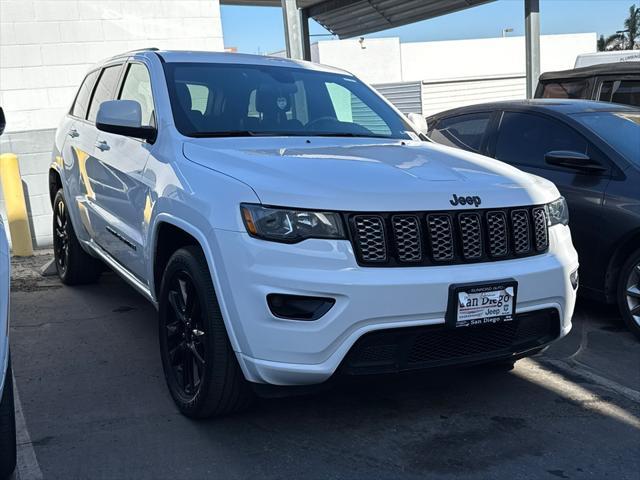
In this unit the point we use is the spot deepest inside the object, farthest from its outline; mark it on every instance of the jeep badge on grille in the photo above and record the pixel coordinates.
(465, 200)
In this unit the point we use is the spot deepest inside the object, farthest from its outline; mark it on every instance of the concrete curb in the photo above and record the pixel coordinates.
(49, 269)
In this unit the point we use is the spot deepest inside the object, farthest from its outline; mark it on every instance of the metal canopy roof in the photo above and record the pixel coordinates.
(350, 18)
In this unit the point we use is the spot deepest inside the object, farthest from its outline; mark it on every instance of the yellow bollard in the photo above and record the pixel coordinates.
(15, 205)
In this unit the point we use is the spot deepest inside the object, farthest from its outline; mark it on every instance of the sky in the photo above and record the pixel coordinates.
(260, 30)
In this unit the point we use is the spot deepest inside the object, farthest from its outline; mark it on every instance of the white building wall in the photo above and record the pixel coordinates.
(490, 57)
(47, 46)
(438, 96)
(375, 60)
(386, 60)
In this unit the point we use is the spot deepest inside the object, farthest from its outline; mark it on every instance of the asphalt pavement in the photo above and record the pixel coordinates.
(93, 404)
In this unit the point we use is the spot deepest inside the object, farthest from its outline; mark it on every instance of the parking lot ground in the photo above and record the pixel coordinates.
(94, 405)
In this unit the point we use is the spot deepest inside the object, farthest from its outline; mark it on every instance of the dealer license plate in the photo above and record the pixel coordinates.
(484, 304)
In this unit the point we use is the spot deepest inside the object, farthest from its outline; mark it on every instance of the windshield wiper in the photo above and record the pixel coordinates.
(253, 133)
(345, 134)
(233, 133)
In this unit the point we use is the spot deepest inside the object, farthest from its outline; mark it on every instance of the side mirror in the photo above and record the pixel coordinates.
(419, 123)
(124, 117)
(3, 121)
(574, 160)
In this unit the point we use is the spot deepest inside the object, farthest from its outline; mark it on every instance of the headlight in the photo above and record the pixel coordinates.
(557, 212)
(290, 226)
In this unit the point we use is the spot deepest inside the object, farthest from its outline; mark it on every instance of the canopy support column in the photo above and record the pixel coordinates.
(532, 44)
(294, 30)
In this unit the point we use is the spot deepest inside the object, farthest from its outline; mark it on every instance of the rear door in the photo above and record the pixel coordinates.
(118, 170)
(93, 180)
(76, 150)
(523, 139)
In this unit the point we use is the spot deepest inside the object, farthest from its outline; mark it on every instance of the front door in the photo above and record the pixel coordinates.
(523, 139)
(122, 199)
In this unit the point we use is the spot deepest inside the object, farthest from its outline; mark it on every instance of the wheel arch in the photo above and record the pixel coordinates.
(183, 231)
(55, 183)
(629, 244)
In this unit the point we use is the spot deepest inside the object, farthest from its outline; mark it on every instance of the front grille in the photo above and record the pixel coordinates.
(439, 345)
(370, 236)
(436, 238)
(441, 237)
(541, 233)
(406, 230)
(521, 231)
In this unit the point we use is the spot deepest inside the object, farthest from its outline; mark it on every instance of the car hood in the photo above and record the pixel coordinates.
(366, 174)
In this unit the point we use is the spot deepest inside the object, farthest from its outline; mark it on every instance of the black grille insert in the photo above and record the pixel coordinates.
(435, 238)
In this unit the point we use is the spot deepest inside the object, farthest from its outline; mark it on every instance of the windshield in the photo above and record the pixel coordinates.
(621, 130)
(210, 99)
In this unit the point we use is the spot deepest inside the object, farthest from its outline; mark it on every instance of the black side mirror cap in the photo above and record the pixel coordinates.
(3, 121)
(574, 160)
(146, 133)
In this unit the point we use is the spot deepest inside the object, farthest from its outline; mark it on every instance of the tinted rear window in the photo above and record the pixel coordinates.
(566, 89)
(104, 90)
(621, 91)
(84, 94)
(462, 131)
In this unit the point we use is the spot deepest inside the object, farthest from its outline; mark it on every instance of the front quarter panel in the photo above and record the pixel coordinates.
(198, 201)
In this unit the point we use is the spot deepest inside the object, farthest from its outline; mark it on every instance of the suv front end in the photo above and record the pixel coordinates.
(378, 297)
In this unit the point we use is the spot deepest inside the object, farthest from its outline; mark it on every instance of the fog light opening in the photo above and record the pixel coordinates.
(298, 307)
(575, 279)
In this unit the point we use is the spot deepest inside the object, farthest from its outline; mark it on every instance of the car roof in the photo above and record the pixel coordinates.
(548, 105)
(188, 56)
(617, 68)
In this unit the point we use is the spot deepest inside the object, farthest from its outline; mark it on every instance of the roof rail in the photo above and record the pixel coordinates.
(149, 49)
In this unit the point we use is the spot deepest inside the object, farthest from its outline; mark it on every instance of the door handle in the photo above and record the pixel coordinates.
(73, 133)
(103, 146)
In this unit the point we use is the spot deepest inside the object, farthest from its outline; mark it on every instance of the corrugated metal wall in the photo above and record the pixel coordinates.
(406, 96)
(444, 95)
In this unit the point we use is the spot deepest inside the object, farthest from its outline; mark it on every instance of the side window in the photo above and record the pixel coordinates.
(350, 108)
(621, 91)
(137, 86)
(84, 94)
(524, 139)
(104, 90)
(462, 131)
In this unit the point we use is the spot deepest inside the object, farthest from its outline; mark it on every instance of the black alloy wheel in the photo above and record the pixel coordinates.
(74, 265)
(200, 367)
(185, 333)
(61, 237)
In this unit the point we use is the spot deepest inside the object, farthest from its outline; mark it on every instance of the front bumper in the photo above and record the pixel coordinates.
(288, 352)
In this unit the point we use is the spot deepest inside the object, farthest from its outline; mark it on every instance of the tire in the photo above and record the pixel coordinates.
(7, 428)
(629, 293)
(74, 265)
(200, 367)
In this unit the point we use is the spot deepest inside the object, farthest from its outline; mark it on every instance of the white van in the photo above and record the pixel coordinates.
(588, 59)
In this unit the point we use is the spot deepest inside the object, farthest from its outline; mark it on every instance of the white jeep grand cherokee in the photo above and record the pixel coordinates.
(290, 224)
